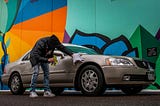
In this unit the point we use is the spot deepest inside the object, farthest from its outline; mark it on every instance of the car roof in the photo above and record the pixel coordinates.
(65, 44)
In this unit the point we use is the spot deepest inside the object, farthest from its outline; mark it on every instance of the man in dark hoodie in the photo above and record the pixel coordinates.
(41, 55)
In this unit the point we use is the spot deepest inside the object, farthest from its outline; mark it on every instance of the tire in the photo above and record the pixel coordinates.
(91, 81)
(57, 90)
(16, 85)
(131, 90)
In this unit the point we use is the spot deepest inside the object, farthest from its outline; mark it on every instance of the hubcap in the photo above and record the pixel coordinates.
(15, 83)
(89, 80)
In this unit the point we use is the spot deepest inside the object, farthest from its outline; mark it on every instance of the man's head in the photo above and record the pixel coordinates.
(53, 41)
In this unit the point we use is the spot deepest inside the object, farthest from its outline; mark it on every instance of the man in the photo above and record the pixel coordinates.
(41, 55)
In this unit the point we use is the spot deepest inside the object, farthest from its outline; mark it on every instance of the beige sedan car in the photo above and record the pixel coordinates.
(91, 77)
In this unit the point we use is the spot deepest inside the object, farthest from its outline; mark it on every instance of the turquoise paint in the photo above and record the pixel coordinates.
(12, 7)
(112, 17)
(8, 13)
(1, 38)
(3, 16)
(81, 16)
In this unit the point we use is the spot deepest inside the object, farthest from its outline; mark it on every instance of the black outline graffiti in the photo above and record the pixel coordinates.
(108, 42)
(126, 41)
(103, 37)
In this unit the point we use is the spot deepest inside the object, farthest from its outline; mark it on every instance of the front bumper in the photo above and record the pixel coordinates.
(127, 75)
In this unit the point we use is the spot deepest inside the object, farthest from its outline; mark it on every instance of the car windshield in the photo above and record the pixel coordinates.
(79, 49)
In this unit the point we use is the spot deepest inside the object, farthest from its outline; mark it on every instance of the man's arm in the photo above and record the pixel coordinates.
(76, 57)
(62, 48)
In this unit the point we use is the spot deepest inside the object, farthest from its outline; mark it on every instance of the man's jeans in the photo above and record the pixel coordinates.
(45, 68)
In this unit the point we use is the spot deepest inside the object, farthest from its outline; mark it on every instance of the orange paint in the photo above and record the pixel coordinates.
(53, 22)
(24, 35)
(45, 25)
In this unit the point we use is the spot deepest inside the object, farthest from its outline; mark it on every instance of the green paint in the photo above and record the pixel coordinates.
(157, 70)
(148, 41)
(135, 41)
(143, 40)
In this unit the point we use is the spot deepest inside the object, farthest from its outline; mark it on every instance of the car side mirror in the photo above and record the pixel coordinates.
(58, 53)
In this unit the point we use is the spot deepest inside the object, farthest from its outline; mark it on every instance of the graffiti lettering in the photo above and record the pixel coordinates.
(152, 51)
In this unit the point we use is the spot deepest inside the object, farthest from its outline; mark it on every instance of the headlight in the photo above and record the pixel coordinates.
(118, 62)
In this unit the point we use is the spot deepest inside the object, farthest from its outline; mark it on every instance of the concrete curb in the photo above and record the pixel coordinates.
(114, 91)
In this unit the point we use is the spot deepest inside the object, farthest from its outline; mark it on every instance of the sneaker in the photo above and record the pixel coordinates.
(48, 94)
(33, 95)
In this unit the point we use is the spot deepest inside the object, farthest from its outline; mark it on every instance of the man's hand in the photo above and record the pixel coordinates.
(51, 60)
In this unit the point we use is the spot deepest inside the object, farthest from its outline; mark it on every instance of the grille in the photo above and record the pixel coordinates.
(138, 78)
(142, 64)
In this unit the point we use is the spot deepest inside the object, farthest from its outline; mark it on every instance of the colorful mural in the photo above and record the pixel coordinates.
(22, 22)
(104, 45)
(111, 27)
(8, 13)
(128, 27)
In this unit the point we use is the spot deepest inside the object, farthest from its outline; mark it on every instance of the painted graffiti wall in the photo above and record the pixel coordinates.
(111, 27)
(117, 27)
(32, 20)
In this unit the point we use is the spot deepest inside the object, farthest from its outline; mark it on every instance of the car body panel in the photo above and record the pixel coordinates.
(64, 73)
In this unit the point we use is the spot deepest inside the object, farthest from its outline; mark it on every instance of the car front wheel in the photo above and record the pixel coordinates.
(91, 81)
(16, 85)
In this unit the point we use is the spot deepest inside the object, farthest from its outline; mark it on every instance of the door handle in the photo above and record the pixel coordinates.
(22, 63)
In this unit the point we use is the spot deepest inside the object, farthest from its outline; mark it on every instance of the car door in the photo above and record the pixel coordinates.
(25, 69)
(63, 71)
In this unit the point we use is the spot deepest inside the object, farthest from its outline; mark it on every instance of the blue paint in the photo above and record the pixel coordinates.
(131, 54)
(29, 10)
(4, 63)
(88, 40)
(116, 48)
(2, 87)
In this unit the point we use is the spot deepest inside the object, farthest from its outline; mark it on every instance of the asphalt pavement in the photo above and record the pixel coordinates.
(73, 98)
